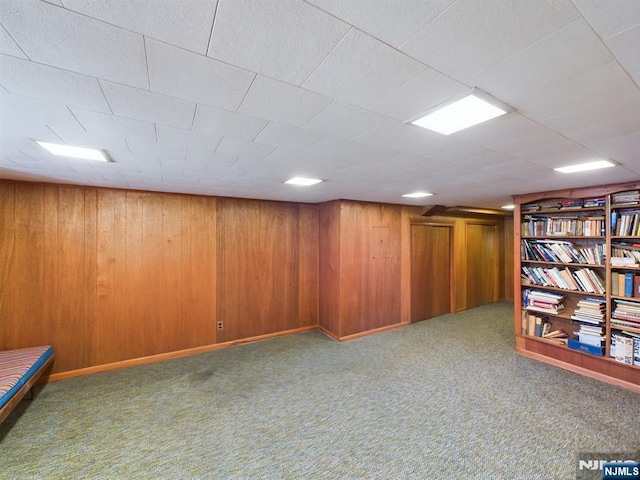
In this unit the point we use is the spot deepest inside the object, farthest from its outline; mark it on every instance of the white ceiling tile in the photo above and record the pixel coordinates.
(242, 149)
(221, 122)
(186, 23)
(498, 130)
(598, 86)
(53, 84)
(566, 53)
(625, 47)
(406, 139)
(274, 100)
(187, 139)
(145, 105)
(472, 35)
(281, 135)
(418, 95)
(596, 122)
(182, 74)
(362, 69)
(624, 148)
(113, 126)
(8, 46)
(350, 150)
(95, 48)
(609, 18)
(383, 19)
(342, 120)
(35, 119)
(283, 40)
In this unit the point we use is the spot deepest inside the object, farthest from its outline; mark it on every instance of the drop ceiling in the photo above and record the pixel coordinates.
(233, 97)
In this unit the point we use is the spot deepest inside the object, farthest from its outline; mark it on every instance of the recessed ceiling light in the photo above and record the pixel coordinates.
(582, 167)
(417, 195)
(508, 207)
(303, 181)
(75, 152)
(471, 108)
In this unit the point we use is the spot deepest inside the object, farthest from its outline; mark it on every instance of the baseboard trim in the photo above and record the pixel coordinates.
(582, 371)
(354, 336)
(134, 362)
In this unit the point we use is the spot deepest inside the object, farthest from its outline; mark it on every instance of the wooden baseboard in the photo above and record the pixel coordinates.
(582, 371)
(167, 356)
(353, 336)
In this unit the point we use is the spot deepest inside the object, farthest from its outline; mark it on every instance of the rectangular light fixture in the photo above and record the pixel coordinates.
(75, 152)
(303, 181)
(582, 167)
(417, 195)
(471, 108)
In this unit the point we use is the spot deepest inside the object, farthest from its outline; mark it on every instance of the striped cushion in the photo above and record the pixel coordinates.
(17, 366)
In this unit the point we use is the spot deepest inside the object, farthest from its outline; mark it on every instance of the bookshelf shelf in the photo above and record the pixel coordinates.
(596, 346)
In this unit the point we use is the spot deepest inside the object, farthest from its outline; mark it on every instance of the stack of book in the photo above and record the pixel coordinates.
(566, 203)
(626, 314)
(594, 202)
(543, 302)
(590, 311)
(631, 197)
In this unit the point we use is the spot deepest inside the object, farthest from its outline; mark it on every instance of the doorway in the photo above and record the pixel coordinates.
(482, 264)
(431, 267)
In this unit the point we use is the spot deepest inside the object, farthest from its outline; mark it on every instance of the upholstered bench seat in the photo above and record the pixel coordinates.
(19, 370)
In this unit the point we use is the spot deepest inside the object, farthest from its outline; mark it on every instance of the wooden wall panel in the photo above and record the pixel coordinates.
(258, 267)
(7, 263)
(507, 254)
(74, 329)
(329, 267)
(200, 274)
(308, 268)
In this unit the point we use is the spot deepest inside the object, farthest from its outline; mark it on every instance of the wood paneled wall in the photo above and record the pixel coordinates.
(109, 275)
(365, 264)
(268, 267)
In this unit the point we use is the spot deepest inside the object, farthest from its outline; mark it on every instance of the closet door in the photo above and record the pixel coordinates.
(482, 264)
(431, 247)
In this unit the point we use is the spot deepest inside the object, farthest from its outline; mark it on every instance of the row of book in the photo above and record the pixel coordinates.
(542, 302)
(625, 223)
(631, 197)
(625, 314)
(540, 326)
(587, 226)
(620, 250)
(625, 284)
(580, 279)
(562, 251)
(564, 203)
(625, 347)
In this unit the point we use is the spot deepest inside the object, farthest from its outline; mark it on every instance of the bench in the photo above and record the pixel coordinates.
(19, 371)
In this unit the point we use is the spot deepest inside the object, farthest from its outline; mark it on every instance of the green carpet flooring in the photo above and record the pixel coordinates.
(440, 399)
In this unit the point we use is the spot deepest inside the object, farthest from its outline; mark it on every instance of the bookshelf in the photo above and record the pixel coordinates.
(577, 280)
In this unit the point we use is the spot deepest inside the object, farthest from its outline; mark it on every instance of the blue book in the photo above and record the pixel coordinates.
(614, 221)
(575, 344)
(628, 284)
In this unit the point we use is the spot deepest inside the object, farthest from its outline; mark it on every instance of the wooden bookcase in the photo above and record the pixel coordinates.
(564, 242)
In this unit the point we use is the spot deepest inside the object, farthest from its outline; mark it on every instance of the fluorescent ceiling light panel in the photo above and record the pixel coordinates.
(417, 195)
(75, 152)
(508, 207)
(582, 167)
(303, 181)
(471, 108)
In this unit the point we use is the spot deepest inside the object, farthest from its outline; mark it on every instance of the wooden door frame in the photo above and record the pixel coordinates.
(452, 283)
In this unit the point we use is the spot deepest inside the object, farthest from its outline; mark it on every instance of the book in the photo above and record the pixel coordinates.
(628, 284)
(623, 348)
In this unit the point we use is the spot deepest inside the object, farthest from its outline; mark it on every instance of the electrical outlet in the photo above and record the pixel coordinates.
(220, 325)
